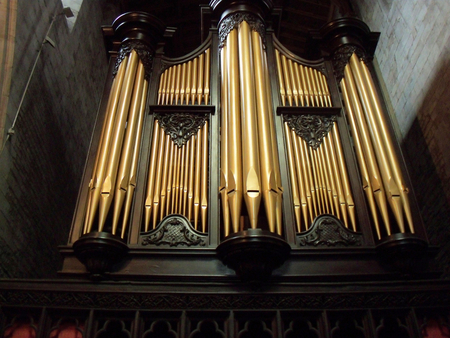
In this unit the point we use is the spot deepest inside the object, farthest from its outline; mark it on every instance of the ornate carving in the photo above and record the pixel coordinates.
(341, 57)
(234, 20)
(143, 52)
(181, 126)
(328, 230)
(311, 128)
(174, 230)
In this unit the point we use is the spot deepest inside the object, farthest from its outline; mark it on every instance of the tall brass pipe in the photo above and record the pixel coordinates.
(201, 74)
(185, 151)
(292, 170)
(165, 174)
(152, 174)
(332, 176)
(173, 84)
(314, 86)
(104, 146)
(188, 81)
(165, 139)
(178, 84)
(367, 148)
(204, 179)
(307, 164)
(176, 181)
(197, 177)
(268, 175)
(292, 80)
(305, 85)
(298, 80)
(207, 75)
(183, 82)
(310, 87)
(280, 77)
(109, 180)
(235, 185)
(135, 160)
(224, 98)
(365, 177)
(327, 90)
(170, 178)
(315, 175)
(321, 180)
(161, 88)
(126, 158)
(319, 87)
(327, 174)
(167, 84)
(309, 208)
(389, 144)
(344, 176)
(194, 82)
(287, 80)
(187, 159)
(190, 192)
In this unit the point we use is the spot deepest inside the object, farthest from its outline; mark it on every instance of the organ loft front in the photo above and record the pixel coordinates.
(242, 190)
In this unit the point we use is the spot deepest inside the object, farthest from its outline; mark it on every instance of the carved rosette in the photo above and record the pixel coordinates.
(311, 128)
(341, 57)
(234, 20)
(181, 126)
(143, 52)
(328, 230)
(174, 230)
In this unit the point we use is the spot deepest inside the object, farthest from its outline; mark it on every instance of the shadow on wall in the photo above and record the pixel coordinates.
(427, 152)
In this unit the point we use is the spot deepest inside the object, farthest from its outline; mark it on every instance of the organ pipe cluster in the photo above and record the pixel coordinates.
(186, 83)
(114, 176)
(249, 158)
(382, 179)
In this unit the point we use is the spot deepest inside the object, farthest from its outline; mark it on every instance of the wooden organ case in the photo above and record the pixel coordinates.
(242, 171)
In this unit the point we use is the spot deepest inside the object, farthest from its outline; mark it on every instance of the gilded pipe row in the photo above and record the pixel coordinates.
(178, 179)
(114, 174)
(301, 85)
(319, 180)
(186, 83)
(382, 179)
(249, 157)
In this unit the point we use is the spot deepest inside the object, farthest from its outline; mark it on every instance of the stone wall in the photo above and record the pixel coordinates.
(42, 163)
(413, 55)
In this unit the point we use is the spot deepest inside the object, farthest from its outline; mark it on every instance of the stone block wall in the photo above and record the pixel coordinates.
(42, 163)
(413, 55)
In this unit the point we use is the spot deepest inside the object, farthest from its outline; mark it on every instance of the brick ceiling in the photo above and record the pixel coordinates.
(297, 18)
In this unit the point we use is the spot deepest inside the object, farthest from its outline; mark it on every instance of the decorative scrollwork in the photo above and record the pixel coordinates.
(341, 57)
(174, 230)
(328, 230)
(181, 126)
(311, 128)
(143, 52)
(234, 20)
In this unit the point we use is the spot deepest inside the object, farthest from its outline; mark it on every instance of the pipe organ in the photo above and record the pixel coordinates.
(244, 148)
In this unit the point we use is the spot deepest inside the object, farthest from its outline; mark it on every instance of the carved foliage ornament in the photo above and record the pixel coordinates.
(341, 57)
(311, 128)
(181, 126)
(234, 20)
(174, 230)
(328, 230)
(143, 52)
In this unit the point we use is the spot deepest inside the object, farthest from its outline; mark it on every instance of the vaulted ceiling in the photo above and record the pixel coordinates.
(296, 18)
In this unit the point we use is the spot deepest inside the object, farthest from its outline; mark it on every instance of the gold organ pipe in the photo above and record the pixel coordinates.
(287, 80)
(178, 84)
(317, 185)
(188, 81)
(367, 148)
(268, 96)
(168, 82)
(173, 84)
(389, 144)
(201, 72)
(304, 85)
(176, 181)
(184, 195)
(294, 184)
(303, 177)
(170, 178)
(165, 139)
(109, 180)
(292, 80)
(319, 87)
(152, 174)
(194, 73)
(134, 164)
(298, 80)
(327, 174)
(332, 176)
(310, 88)
(185, 150)
(161, 88)
(104, 146)
(390, 185)
(204, 192)
(313, 86)
(126, 157)
(280, 77)
(224, 141)
(197, 178)
(190, 191)
(234, 132)
(183, 82)
(165, 168)
(321, 180)
(207, 74)
(250, 148)
(307, 164)
(343, 172)
(365, 177)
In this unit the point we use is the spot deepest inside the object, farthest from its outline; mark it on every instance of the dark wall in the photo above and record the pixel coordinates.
(42, 163)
